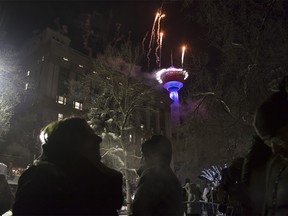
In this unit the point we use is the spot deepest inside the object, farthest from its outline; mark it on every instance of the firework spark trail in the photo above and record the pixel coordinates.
(152, 38)
(158, 37)
(143, 42)
(183, 53)
(160, 54)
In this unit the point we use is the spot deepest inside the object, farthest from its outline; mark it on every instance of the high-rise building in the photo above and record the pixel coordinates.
(49, 62)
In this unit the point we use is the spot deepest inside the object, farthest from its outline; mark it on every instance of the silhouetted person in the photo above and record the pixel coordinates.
(158, 192)
(6, 196)
(253, 180)
(229, 190)
(196, 193)
(69, 178)
(271, 124)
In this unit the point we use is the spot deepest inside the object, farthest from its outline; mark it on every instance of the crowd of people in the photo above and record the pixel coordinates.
(51, 186)
(255, 184)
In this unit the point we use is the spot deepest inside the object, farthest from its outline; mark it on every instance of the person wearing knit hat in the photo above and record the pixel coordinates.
(158, 192)
(69, 178)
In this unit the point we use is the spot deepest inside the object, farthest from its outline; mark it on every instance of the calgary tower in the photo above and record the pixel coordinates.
(172, 80)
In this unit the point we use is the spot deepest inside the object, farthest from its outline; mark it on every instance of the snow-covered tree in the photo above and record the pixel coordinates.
(115, 96)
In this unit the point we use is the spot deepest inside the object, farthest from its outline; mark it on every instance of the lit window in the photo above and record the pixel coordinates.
(60, 116)
(81, 66)
(65, 59)
(77, 105)
(130, 137)
(61, 100)
(28, 73)
(26, 86)
(43, 58)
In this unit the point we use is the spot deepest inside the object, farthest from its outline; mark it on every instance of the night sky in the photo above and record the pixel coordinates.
(22, 18)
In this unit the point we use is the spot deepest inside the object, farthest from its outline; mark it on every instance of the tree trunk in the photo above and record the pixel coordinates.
(128, 189)
(128, 194)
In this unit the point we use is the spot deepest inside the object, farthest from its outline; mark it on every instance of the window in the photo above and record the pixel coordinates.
(28, 73)
(26, 86)
(77, 105)
(60, 116)
(61, 100)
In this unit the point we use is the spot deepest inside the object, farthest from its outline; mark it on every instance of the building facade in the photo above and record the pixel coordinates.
(48, 63)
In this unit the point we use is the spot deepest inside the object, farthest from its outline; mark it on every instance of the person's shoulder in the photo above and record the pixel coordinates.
(32, 171)
(153, 174)
(29, 177)
(41, 170)
(109, 171)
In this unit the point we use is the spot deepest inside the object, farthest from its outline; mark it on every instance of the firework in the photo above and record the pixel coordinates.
(152, 37)
(158, 38)
(183, 53)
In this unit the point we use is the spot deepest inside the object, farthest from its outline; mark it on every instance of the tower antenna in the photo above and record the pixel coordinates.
(171, 56)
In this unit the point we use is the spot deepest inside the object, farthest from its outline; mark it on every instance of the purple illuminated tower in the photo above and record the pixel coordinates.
(172, 80)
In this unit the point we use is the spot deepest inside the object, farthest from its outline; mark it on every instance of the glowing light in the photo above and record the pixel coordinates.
(161, 39)
(65, 59)
(173, 85)
(174, 95)
(43, 137)
(183, 53)
(178, 72)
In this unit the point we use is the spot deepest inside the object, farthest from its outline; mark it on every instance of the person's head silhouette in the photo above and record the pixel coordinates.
(70, 136)
(157, 150)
